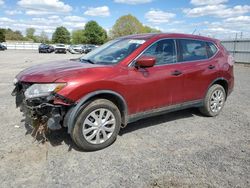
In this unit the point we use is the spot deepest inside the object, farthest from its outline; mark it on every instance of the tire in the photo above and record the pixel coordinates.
(214, 101)
(89, 121)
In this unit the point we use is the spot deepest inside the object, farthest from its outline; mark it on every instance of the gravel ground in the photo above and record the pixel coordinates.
(180, 149)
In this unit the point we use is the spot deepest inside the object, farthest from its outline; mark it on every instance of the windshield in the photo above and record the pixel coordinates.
(113, 51)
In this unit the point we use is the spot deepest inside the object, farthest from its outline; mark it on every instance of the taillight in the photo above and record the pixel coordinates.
(231, 60)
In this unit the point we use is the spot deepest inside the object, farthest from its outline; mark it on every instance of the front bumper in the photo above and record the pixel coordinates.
(41, 110)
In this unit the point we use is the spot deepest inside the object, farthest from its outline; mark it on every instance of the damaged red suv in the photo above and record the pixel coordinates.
(122, 81)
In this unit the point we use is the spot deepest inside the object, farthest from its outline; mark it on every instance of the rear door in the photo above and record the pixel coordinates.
(198, 66)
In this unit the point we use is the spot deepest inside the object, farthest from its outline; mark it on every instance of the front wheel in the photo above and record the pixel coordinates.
(97, 126)
(214, 101)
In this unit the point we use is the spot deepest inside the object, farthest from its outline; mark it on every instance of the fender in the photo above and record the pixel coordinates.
(74, 111)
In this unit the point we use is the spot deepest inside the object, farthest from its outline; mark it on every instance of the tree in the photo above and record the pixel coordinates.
(94, 33)
(78, 37)
(13, 35)
(148, 29)
(2, 35)
(42, 38)
(61, 35)
(126, 25)
(30, 33)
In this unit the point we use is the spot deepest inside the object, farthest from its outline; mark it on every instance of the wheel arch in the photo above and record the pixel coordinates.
(221, 81)
(114, 97)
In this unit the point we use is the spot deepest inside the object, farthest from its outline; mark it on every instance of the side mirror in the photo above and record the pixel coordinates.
(145, 61)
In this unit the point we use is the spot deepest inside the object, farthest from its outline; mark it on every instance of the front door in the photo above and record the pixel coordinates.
(160, 85)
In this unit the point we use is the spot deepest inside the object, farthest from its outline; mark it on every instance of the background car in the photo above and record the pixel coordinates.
(88, 48)
(75, 49)
(45, 48)
(2, 47)
(60, 48)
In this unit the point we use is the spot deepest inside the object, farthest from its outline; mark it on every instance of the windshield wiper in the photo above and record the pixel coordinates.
(87, 60)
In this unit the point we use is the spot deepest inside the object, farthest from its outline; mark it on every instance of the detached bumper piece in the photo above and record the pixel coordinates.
(40, 112)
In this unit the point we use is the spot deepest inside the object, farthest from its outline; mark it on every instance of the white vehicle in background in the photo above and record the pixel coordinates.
(60, 48)
(88, 48)
(75, 49)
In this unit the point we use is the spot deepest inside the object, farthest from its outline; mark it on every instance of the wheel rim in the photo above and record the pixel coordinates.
(99, 126)
(216, 101)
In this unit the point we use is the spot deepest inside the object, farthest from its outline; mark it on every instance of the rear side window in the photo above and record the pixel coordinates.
(163, 50)
(192, 50)
(211, 49)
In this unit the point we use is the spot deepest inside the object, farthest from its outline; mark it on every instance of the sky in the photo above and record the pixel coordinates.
(221, 19)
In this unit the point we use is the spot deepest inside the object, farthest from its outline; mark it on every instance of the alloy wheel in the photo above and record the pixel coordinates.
(217, 100)
(98, 126)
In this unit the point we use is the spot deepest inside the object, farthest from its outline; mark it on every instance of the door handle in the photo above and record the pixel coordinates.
(176, 73)
(211, 66)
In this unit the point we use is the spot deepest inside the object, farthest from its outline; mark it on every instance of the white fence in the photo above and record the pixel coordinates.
(22, 45)
(240, 49)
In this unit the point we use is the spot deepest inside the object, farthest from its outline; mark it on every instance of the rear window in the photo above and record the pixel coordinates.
(192, 50)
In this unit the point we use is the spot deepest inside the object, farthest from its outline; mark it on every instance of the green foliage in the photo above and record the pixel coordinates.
(2, 35)
(61, 35)
(78, 37)
(128, 25)
(13, 35)
(42, 38)
(148, 29)
(30, 33)
(94, 33)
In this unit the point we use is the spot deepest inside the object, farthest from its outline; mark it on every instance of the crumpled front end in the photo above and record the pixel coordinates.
(41, 112)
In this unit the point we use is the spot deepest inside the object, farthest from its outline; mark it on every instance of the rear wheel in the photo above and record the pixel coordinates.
(97, 126)
(214, 101)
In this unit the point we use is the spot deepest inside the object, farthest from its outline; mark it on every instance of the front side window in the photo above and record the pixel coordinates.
(112, 52)
(163, 50)
(192, 50)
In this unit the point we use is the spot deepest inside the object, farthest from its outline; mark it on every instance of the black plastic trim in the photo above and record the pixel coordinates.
(163, 110)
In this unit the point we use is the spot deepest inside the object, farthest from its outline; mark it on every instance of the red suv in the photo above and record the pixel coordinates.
(124, 80)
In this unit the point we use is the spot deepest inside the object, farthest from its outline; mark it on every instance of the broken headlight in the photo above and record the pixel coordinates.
(42, 90)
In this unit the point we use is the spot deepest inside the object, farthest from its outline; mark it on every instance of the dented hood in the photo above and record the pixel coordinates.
(50, 72)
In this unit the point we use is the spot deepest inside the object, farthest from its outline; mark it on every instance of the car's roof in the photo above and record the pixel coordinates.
(147, 36)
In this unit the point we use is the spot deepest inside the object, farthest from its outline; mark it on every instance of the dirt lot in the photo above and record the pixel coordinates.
(180, 149)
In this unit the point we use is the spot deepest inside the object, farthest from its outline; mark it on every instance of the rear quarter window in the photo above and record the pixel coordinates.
(211, 49)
